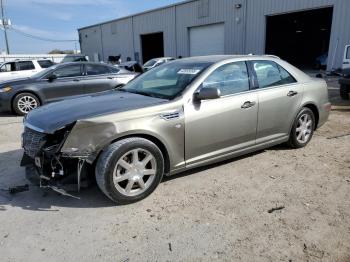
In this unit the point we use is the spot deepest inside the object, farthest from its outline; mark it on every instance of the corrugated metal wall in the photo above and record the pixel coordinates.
(154, 22)
(245, 27)
(117, 39)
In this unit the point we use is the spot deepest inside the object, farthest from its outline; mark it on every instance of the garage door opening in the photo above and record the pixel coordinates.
(301, 38)
(152, 46)
(207, 40)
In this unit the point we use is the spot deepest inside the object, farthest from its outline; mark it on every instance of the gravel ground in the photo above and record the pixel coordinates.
(218, 212)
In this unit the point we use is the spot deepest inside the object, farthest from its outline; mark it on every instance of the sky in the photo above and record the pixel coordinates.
(59, 20)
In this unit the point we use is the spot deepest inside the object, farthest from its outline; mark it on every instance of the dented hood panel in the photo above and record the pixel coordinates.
(52, 117)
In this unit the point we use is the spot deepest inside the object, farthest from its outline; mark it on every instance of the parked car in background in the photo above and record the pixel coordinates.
(22, 68)
(345, 84)
(131, 66)
(60, 82)
(184, 114)
(156, 62)
(346, 60)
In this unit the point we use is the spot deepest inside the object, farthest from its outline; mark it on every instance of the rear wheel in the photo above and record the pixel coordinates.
(24, 103)
(129, 170)
(303, 129)
(344, 92)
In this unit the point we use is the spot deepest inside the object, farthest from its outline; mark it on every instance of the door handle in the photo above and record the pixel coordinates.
(292, 93)
(76, 80)
(110, 77)
(248, 104)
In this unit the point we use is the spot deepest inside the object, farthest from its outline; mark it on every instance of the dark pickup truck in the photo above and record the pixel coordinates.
(345, 84)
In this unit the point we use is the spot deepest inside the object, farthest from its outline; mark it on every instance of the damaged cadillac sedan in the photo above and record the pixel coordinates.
(181, 115)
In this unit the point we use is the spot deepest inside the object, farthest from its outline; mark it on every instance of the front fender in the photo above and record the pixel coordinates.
(89, 137)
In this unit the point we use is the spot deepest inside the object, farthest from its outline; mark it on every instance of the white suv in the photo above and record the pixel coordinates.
(22, 68)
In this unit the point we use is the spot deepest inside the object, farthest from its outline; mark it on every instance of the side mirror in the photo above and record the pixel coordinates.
(52, 77)
(319, 76)
(207, 93)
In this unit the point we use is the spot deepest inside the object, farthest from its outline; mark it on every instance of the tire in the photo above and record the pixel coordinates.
(296, 139)
(23, 103)
(111, 167)
(344, 92)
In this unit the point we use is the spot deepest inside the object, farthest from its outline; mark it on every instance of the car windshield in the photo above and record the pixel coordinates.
(151, 62)
(166, 81)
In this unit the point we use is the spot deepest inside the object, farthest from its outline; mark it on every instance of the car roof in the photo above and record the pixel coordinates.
(84, 63)
(219, 58)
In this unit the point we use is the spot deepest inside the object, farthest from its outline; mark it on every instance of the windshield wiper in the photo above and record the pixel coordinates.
(142, 93)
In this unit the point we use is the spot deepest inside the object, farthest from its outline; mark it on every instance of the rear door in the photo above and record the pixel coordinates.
(69, 83)
(279, 97)
(346, 60)
(99, 78)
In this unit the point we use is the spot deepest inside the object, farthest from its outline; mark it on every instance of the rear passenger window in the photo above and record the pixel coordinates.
(25, 65)
(229, 79)
(97, 70)
(348, 53)
(271, 74)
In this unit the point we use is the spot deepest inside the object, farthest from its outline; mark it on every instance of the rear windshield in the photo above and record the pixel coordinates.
(45, 63)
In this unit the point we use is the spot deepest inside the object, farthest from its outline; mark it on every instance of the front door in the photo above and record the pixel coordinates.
(279, 99)
(69, 83)
(221, 126)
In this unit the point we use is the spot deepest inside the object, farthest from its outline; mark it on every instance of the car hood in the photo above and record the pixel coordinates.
(18, 81)
(52, 117)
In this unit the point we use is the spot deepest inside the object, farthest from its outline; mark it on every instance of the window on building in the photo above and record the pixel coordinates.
(113, 28)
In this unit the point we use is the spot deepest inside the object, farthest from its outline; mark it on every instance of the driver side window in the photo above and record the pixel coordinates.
(68, 71)
(229, 79)
(8, 67)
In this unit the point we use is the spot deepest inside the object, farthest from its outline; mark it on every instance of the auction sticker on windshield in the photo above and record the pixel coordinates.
(189, 71)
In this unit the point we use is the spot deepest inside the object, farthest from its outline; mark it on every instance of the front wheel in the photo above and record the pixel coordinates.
(24, 103)
(129, 170)
(303, 129)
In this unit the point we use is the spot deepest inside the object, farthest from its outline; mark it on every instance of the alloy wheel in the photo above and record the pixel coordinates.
(26, 104)
(134, 172)
(304, 128)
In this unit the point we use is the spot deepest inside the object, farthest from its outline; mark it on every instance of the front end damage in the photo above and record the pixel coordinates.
(47, 166)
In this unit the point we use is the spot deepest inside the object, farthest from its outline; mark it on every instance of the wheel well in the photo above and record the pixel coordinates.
(156, 141)
(22, 92)
(314, 110)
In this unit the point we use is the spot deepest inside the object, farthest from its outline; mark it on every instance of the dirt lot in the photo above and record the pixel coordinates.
(215, 213)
